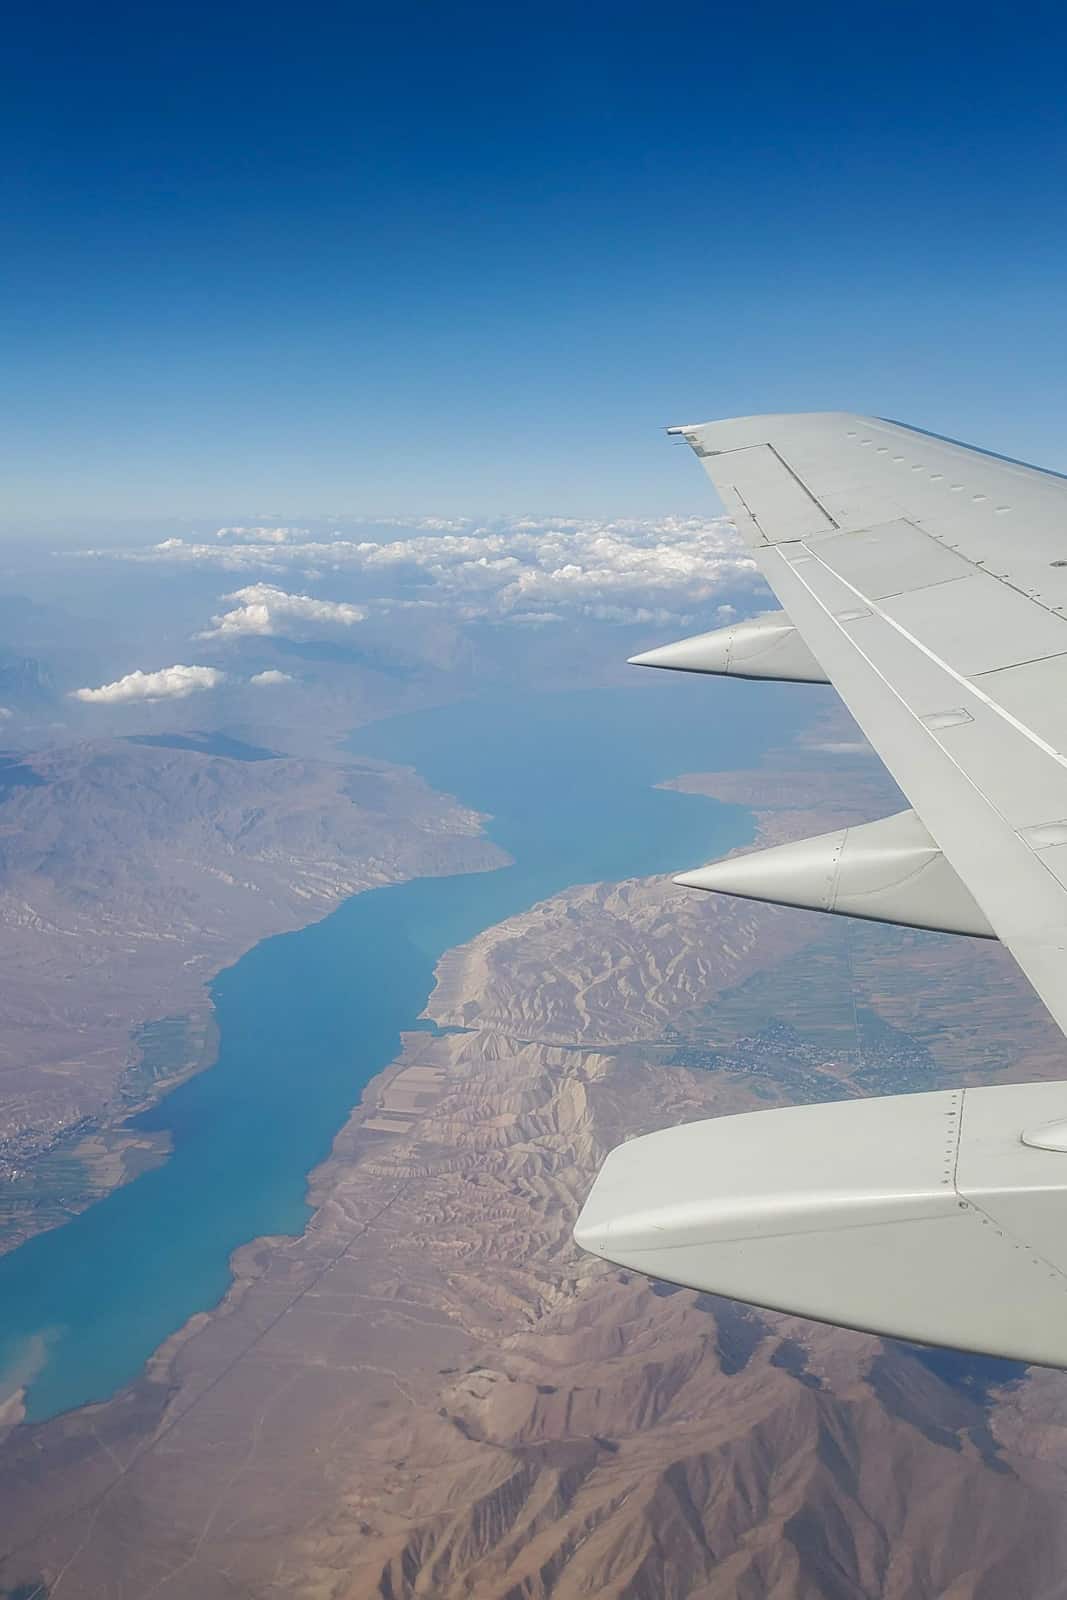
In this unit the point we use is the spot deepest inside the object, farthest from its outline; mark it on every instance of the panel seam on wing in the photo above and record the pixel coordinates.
(938, 661)
(1036, 1256)
(965, 683)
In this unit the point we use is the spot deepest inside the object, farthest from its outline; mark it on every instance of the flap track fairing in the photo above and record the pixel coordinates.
(885, 871)
(766, 647)
(922, 1216)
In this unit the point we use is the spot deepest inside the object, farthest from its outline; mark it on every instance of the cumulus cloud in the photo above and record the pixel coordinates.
(270, 676)
(523, 569)
(264, 609)
(169, 683)
(526, 570)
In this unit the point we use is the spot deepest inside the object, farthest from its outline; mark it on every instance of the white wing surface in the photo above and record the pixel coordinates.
(928, 582)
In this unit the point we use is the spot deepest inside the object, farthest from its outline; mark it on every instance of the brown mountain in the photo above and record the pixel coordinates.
(432, 1393)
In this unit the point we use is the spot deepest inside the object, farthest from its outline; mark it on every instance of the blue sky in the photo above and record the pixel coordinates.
(418, 259)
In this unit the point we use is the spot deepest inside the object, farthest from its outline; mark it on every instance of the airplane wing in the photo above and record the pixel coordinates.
(927, 581)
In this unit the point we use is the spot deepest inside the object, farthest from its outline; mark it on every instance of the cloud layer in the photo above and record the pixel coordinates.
(265, 610)
(169, 683)
(522, 569)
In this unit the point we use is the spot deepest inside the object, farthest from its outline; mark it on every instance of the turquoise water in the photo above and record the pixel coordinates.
(307, 1018)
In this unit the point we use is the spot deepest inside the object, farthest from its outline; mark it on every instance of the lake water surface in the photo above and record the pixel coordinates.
(307, 1018)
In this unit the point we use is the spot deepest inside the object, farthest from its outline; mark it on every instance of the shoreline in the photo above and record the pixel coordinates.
(108, 1151)
(355, 1140)
(389, 1103)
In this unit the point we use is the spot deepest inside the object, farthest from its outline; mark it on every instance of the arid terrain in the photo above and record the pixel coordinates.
(433, 1393)
(129, 875)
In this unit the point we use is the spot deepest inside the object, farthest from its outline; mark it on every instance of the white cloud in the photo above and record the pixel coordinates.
(5, 713)
(662, 570)
(169, 683)
(261, 535)
(271, 676)
(626, 571)
(264, 609)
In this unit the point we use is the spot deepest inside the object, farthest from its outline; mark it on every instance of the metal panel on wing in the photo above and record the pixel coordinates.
(776, 500)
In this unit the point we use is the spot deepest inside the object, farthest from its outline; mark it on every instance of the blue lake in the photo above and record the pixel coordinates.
(307, 1018)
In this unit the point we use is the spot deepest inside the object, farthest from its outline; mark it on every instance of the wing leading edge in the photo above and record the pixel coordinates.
(928, 582)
